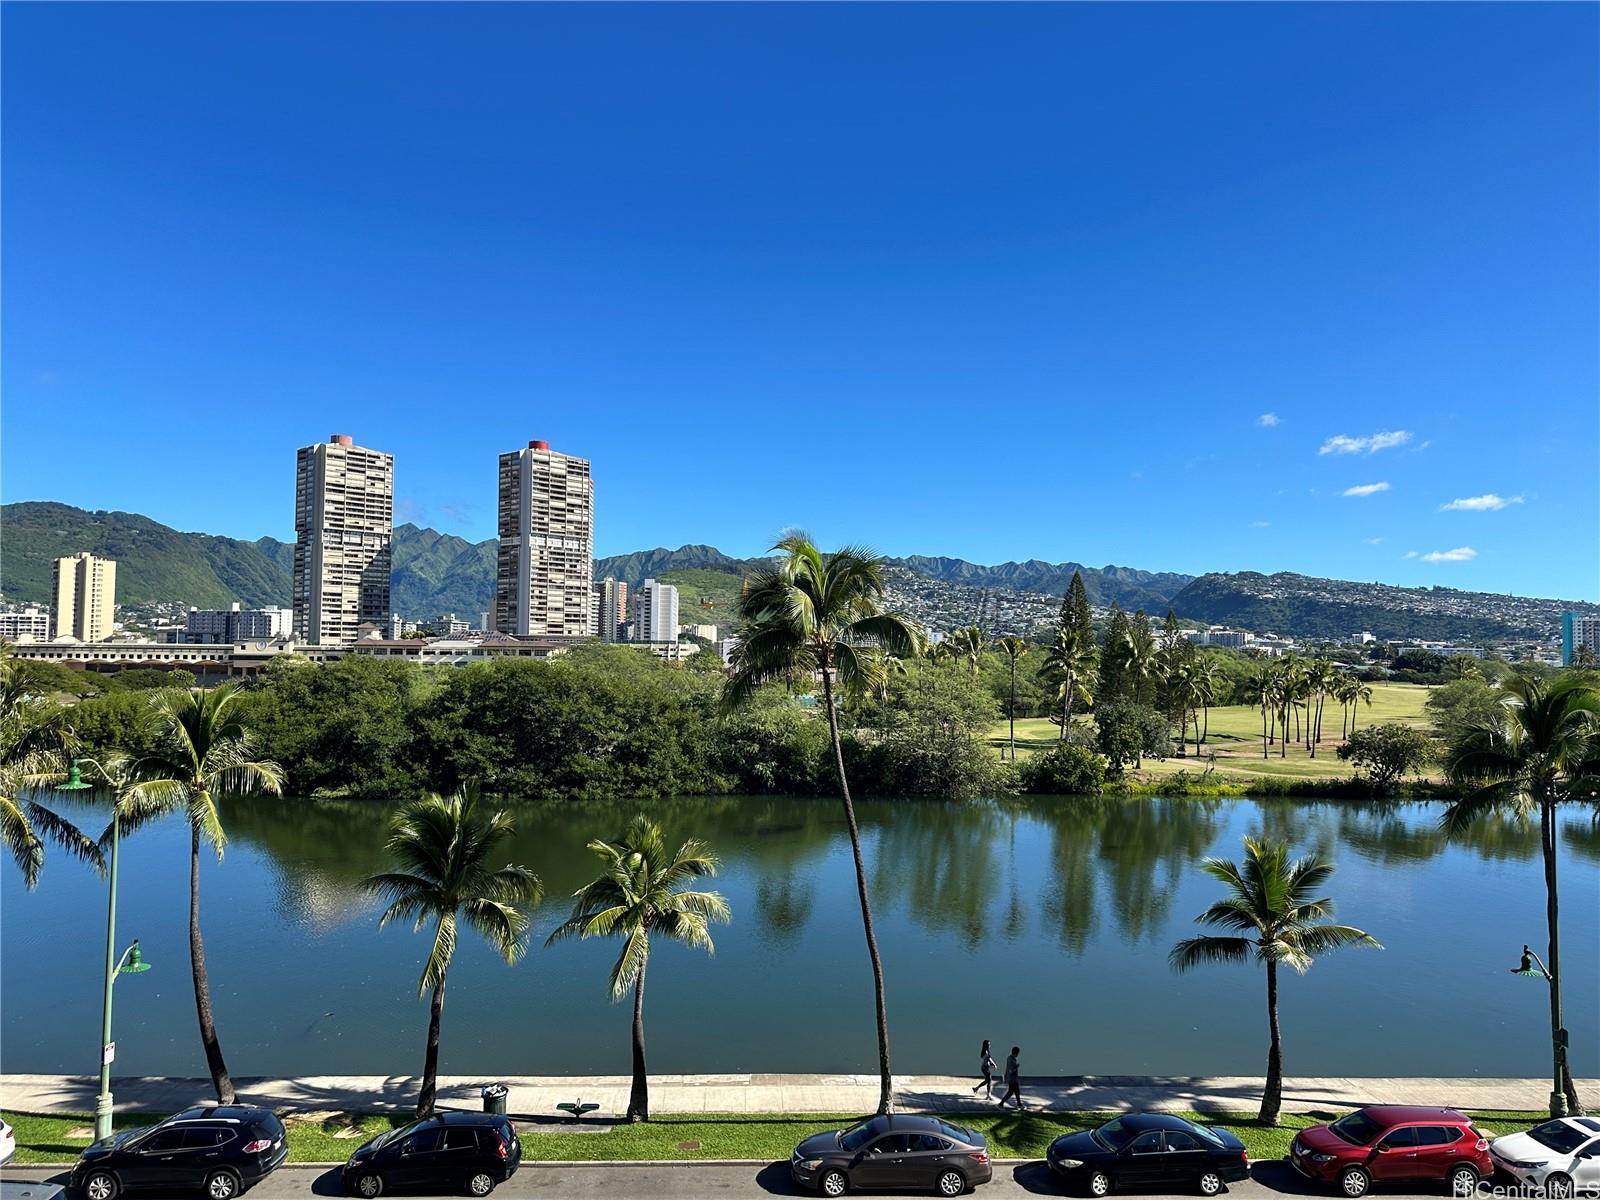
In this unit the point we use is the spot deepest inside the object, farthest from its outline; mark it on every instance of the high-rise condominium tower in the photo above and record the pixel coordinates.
(542, 584)
(611, 608)
(655, 612)
(343, 521)
(84, 597)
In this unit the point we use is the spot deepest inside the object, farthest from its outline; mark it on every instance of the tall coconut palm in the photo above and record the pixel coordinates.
(205, 755)
(1360, 694)
(639, 894)
(966, 645)
(824, 614)
(1208, 680)
(35, 742)
(1534, 753)
(1014, 648)
(1067, 666)
(1260, 689)
(1275, 915)
(444, 849)
(1321, 678)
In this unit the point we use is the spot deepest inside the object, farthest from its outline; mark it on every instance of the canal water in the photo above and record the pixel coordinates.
(1041, 922)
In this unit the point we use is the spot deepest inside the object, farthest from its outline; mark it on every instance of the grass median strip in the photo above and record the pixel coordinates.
(56, 1138)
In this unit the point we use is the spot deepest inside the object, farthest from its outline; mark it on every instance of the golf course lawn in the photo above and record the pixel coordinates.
(1234, 737)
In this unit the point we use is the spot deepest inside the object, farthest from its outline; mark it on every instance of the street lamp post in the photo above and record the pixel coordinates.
(131, 961)
(1532, 967)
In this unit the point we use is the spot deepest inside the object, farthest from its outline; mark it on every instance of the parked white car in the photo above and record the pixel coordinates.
(8, 1141)
(1562, 1156)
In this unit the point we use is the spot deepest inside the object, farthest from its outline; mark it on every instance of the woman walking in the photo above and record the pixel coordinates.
(986, 1065)
(1013, 1074)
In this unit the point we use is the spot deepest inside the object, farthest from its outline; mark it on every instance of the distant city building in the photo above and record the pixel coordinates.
(611, 609)
(1233, 639)
(706, 633)
(1360, 639)
(30, 624)
(1579, 632)
(726, 647)
(542, 577)
(235, 624)
(343, 524)
(655, 612)
(398, 627)
(84, 597)
(449, 625)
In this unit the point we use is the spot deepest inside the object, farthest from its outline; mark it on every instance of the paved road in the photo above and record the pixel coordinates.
(721, 1181)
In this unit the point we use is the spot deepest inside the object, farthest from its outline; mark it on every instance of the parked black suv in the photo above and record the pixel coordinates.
(222, 1148)
(471, 1152)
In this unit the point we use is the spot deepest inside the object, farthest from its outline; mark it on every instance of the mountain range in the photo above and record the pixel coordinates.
(436, 573)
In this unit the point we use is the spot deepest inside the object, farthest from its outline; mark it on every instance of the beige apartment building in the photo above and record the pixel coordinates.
(84, 597)
(610, 608)
(343, 523)
(543, 578)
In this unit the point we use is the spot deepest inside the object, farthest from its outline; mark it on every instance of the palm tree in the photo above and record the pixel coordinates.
(206, 754)
(35, 741)
(442, 848)
(1013, 648)
(1536, 752)
(824, 613)
(1067, 665)
(1276, 917)
(967, 645)
(1362, 694)
(1140, 657)
(1208, 682)
(1261, 689)
(639, 893)
(1322, 679)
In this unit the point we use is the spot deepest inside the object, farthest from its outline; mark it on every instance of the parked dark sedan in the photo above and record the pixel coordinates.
(221, 1148)
(462, 1151)
(893, 1152)
(1149, 1150)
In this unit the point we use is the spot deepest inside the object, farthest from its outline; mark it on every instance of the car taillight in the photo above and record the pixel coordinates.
(505, 1151)
(1481, 1146)
(979, 1156)
(1244, 1157)
(257, 1146)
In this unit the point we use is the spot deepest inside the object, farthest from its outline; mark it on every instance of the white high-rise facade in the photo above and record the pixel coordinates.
(655, 612)
(84, 597)
(343, 524)
(543, 577)
(610, 608)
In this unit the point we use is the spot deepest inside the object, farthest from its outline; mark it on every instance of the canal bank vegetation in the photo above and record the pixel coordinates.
(58, 1138)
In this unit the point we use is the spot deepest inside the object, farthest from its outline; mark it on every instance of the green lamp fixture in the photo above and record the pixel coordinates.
(1528, 968)
(74, 781)
(133, 962)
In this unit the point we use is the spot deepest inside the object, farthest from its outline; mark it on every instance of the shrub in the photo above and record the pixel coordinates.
(1387, 752)
(1064, 770)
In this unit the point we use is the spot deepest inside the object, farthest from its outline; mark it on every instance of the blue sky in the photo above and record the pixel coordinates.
(1148, 285)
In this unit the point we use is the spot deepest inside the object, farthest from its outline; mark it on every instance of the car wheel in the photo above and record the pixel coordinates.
(1558, 1186)
(1210, 1183)
(1099, 1183)
(101, 1185)
(1463, 1181)
(833, 1183)
(1353, 1182)
(480, 1183)
(952, 1183)
(222, 1185)
(369, 1186)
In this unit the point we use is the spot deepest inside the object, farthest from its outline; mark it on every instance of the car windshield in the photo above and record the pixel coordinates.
(1558, 1136)
(403, 1131)
(856, 1136)
(1357, 1128)
(1114, 1134)
(956, 1132)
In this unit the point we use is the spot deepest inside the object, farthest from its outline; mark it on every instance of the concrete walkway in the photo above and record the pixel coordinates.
(537, 1096)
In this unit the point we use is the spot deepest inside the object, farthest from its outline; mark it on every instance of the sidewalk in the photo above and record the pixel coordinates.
(537, 1096)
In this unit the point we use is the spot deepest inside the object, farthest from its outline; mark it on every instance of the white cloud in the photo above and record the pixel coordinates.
(1377, 541)
(1488, 502)
(1412, 554)
(1260, 524)
(1366, 489)
(1267, 420)
(1459, 554)
(1371, 444)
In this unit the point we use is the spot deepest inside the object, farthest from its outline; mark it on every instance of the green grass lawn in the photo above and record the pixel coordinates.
(48, 1139)
(1234, 737)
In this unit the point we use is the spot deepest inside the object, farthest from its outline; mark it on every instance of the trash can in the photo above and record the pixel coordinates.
(494, 1099)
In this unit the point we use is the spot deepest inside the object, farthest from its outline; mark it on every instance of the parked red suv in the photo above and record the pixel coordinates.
(1394, 1144)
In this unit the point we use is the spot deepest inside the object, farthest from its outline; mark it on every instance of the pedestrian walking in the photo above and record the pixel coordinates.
(987, 1068)
(1013, 1073)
